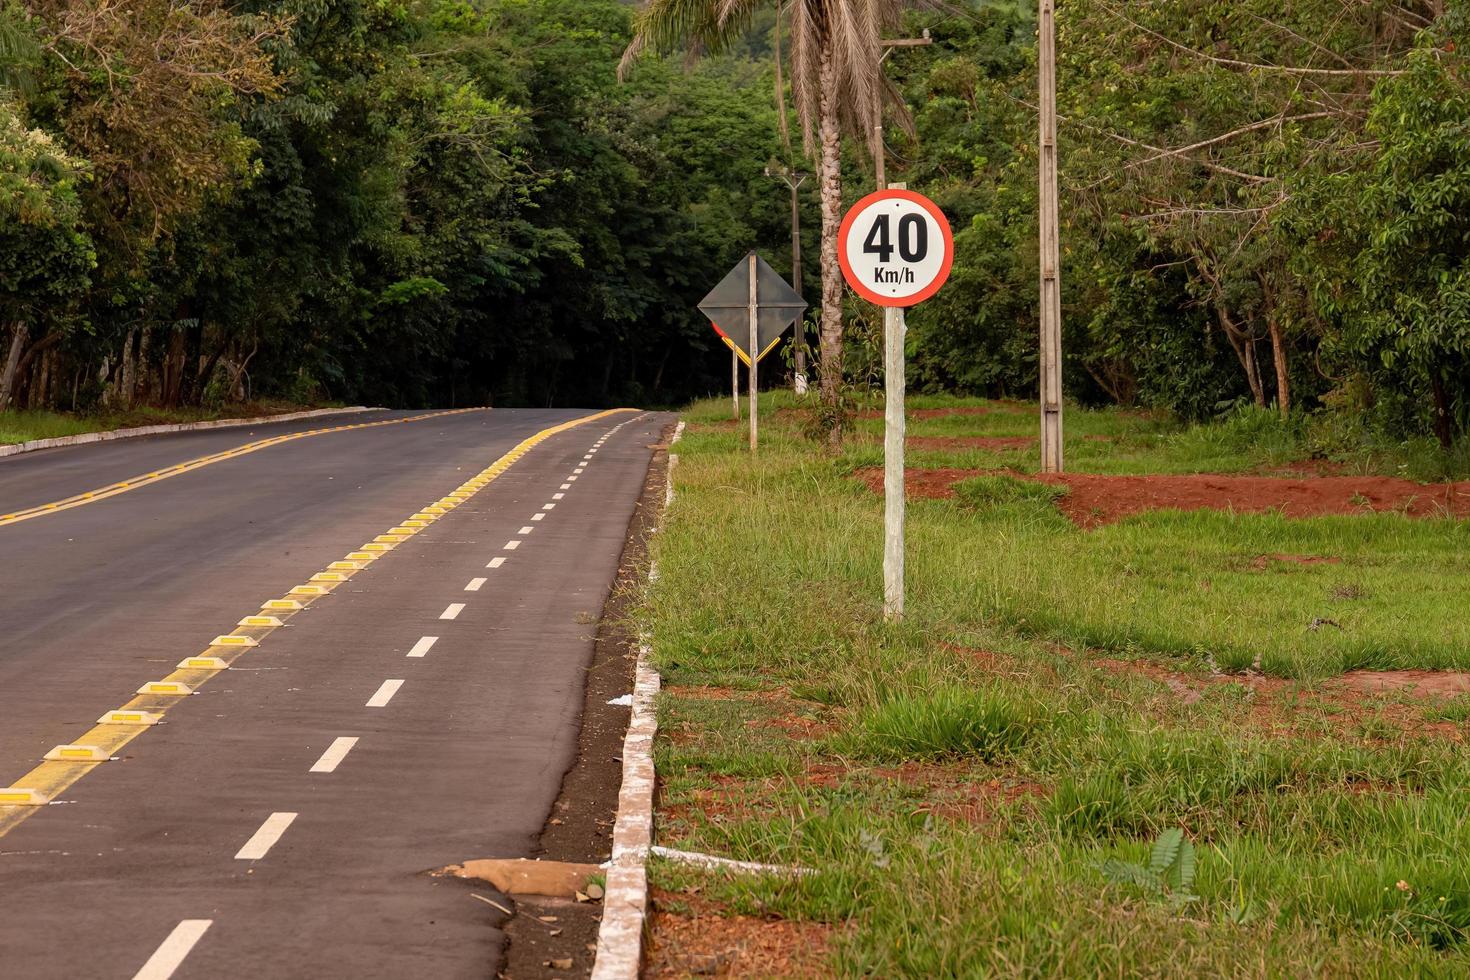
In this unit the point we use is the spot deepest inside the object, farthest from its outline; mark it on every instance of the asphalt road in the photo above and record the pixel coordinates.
(461, 741)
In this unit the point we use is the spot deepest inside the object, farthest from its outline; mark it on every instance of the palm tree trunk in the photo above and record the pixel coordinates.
(831, 192)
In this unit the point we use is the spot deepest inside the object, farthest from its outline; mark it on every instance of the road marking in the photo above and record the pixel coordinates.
(334, 755)
(167, 957)
(588, 456)
(539, 517)
(511, 546)
(385, 693)
(422, 646)
(526, 530)
(473, 585)
(556, 496)
(452, 610)
(113, 489)
(564, 486)
(570, 479)
(265, 838)
(496, 562)
(29, 793)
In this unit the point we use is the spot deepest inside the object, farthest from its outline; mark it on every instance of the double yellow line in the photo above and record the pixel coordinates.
(146, 479)
(65, 764)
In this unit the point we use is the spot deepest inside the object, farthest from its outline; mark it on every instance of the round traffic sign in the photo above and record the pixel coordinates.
(895, 248)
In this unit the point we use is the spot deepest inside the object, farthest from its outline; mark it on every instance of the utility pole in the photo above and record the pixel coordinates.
(793, 179)
(1051, 289)
(879, 170)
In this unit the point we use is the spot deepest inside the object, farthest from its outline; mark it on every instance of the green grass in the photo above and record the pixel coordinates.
(959, 804)
(26, 425)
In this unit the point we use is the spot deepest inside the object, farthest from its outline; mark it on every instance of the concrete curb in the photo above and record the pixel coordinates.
(625, 900)
(84, 438)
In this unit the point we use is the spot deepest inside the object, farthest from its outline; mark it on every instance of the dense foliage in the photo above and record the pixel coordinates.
(455, 201)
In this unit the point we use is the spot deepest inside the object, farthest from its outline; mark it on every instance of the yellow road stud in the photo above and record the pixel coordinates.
(260, 621)
(329, 577)
(202, 663)
(310, 590)
(436, 509)
(125, 717)
(21, 796)
(361, 556)
(233, 640)
(77, 753)
(283, 604)
(426, 517)
(165, 687)
(462, 494)
(377, 546)
(404, 530)
(415, 522)
(350, 566)
(390, 538)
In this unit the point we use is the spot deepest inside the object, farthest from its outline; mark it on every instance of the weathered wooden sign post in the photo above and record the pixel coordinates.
(895, 247)
(750, 309)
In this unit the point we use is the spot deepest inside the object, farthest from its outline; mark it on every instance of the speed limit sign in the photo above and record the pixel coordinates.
(895, 247)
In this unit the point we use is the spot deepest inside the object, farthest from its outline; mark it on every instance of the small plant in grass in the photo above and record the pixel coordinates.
(952, 721)
(1455, 709)
(1169, 874)
(992, 491)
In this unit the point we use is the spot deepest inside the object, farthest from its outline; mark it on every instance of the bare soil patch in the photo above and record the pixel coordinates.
(1263, 562)
(1093, 499)
(1421, 683)
(693, 936)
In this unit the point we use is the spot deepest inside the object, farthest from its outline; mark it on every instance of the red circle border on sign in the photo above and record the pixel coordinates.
(934, 212)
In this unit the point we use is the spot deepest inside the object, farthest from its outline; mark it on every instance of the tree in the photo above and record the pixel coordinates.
(836, 85)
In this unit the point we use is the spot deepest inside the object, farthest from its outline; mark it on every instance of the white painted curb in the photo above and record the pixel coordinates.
(16, 449)
(625, 899)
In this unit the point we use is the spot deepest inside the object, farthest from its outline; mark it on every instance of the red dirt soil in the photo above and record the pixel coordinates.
(707, 942)
(1093, 499)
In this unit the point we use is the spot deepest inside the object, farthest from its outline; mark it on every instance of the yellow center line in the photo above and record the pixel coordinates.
(112, 490)
(70, 762)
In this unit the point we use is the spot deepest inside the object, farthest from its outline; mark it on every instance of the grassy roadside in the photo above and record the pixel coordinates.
(25, 425)
(979, 789)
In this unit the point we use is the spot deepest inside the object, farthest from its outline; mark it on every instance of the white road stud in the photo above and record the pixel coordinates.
(165, 687)
(233, 640)
(285, 605)
(202, 663)
(22, 796)
(125, 717)
(260, 621)
(77, 753)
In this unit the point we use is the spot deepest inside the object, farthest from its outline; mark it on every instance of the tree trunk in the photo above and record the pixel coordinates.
(128, 381)
(831, 194)
(140, 379)
(1443, 425)
(1278, 357)
(12, 361)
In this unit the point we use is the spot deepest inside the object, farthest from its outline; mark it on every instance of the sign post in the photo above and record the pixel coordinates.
(895, 248)
(750, 309)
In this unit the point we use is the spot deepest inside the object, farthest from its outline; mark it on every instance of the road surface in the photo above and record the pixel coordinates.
(280, 820)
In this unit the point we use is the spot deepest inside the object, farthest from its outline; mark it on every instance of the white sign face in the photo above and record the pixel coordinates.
(895, 248)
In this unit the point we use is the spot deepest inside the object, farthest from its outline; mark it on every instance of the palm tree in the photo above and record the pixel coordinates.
(836, 84)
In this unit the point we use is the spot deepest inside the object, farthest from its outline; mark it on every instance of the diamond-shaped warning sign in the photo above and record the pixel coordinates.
(728, 307)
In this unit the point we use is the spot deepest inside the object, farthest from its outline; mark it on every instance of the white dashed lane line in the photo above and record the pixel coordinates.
(555, 496)
(167, 957)
(511, 545)
(526, 530)
(452, 610)
(564, 486)
(265, 838)
(385, 693)
(538, 517)
(496, 562)
(422, 646)
(334, 755)
(473, 585)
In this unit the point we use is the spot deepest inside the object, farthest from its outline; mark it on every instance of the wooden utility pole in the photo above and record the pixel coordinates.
(879, 169)
(754, 348)
(1051, 289)
(793, 180)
